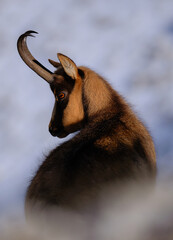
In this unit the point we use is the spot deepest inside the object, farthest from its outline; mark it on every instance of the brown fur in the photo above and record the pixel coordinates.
(74, 112)
(97, 93)
(112, 146)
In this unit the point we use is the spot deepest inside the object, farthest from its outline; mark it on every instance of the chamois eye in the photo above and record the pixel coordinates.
(60, 96)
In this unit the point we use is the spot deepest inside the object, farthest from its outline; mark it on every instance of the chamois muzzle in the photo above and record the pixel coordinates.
(55, 132)
(30, 60)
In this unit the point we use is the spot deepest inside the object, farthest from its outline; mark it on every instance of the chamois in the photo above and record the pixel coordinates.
(112, 144)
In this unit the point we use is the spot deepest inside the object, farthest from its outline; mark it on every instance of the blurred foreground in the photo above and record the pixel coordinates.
(132, 46)
(139, 214)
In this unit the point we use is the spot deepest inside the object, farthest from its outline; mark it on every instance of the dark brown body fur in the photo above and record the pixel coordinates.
(112, 145)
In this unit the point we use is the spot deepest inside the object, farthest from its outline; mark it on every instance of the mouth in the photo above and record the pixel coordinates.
(59, 134)
(62, 134)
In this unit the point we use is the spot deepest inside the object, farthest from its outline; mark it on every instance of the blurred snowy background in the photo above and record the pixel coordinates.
(129, 42)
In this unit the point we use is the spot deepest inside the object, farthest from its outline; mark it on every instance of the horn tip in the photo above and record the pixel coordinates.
(29, 33)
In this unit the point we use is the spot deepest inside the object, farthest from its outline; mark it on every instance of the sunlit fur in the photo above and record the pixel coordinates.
(112, 144)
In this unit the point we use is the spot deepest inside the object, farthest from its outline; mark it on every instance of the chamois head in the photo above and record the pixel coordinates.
(71, 87)
(68, 112)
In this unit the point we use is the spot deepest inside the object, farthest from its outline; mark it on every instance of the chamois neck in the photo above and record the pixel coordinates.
(102, 123)
(96, 92)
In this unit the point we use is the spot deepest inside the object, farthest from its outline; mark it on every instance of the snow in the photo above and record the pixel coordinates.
(130, 43)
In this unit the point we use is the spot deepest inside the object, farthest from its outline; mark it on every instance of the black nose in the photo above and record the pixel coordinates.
(53, 131)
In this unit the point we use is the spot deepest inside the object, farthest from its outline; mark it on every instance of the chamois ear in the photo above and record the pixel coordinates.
(68, 65)
(55, 64)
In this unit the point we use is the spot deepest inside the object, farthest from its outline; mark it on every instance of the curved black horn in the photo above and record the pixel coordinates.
(30, 60)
